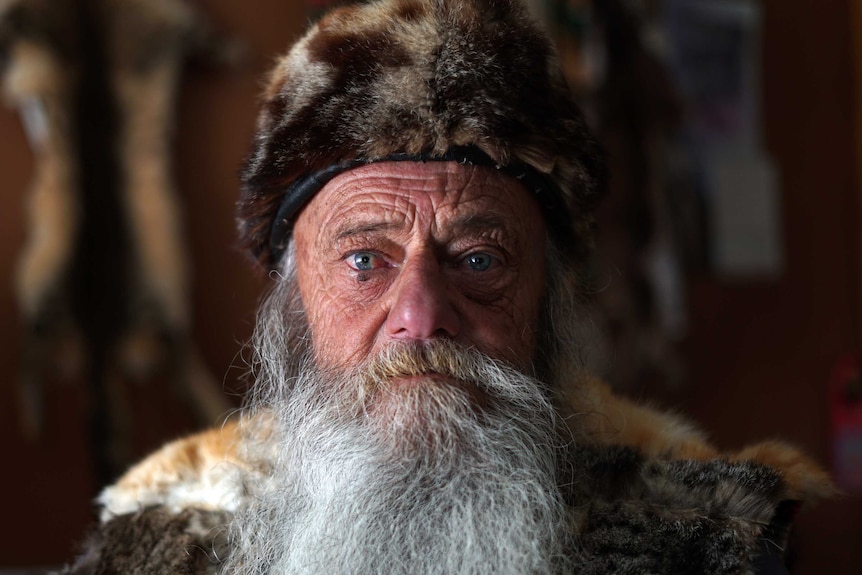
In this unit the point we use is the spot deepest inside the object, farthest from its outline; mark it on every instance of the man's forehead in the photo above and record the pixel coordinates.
(392, 190)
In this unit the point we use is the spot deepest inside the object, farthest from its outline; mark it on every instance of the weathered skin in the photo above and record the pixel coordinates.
(419, 224)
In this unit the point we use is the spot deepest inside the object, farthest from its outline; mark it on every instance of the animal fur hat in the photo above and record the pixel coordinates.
(465, 80)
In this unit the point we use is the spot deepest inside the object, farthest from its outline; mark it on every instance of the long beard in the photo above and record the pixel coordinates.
(456, 472)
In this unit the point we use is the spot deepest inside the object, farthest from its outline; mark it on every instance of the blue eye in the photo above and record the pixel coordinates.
(363, 261)
(479, 262)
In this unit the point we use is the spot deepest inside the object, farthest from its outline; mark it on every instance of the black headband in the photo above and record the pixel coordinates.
(303, 189)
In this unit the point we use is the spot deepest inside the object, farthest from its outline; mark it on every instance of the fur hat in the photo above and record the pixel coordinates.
(470, 80)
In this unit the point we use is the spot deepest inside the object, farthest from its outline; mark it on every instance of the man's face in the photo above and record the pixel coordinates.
(398, 444)
(407, 251)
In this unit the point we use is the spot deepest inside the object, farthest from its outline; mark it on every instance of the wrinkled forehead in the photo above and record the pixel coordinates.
(436, 194)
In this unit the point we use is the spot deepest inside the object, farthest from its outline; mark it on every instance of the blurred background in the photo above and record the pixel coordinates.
(726, 277)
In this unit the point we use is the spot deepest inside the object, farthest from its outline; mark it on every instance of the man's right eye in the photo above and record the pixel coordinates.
(364, 261)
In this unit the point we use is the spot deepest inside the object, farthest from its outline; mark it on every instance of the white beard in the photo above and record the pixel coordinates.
(368, 478)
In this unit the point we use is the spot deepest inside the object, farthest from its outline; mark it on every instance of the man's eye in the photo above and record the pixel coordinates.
(364, 261)
(479, 262)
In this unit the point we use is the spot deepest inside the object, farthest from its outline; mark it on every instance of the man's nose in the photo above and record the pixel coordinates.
(421, 307)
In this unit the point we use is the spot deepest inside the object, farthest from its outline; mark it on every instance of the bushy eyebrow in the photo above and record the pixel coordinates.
(350, 229)
(474, 224)
(482, 223)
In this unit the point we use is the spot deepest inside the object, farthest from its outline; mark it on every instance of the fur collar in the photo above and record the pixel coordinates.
(668, 504)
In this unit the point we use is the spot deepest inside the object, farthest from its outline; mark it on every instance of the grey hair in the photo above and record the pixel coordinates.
(569, 343)
(486, 497)
(470, 493)
(281, 343)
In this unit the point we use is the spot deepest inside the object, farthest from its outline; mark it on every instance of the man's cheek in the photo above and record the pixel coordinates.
(341, 331)
(506, 333)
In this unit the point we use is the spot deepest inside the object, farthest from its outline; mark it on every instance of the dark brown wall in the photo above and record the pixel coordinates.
(760, 353)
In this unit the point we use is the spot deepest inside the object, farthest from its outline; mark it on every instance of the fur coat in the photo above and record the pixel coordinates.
(651, 496)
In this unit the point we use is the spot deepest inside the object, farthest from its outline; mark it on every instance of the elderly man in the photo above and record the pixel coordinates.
(422, 187)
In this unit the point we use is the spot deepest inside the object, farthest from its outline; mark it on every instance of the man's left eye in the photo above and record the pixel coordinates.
(479, 262)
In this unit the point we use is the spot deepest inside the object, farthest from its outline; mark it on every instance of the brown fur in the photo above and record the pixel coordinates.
(201, 471)
(182, 458)
(631, 514)
(609, 419)
(413, 76)
(605, 418)
(37, 73)
(648, 494)
(104, 271)
(601, 418)
(806, 480)
(40, 80)
(156, 542)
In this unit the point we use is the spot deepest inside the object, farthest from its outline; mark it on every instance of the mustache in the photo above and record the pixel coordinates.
(442, 357)
(460, 379)
(488, 381)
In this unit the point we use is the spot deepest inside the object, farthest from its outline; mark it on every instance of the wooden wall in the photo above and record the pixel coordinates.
(760, 353)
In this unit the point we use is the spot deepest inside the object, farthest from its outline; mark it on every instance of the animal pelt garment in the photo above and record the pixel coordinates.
(649, 494)
(102, 281)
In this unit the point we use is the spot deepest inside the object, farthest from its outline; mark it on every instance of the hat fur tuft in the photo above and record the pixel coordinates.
(418, 77)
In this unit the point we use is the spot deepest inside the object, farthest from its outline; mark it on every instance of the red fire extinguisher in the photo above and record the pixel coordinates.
(845, 415)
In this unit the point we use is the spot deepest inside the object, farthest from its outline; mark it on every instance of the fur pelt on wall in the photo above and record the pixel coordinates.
(102, 281)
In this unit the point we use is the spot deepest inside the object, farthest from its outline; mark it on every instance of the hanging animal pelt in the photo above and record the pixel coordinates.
(102, 282)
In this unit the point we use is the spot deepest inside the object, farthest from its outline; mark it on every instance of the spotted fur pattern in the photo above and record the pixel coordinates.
(649, 494)
(418, 76)
(634, 511)
(156, 541)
